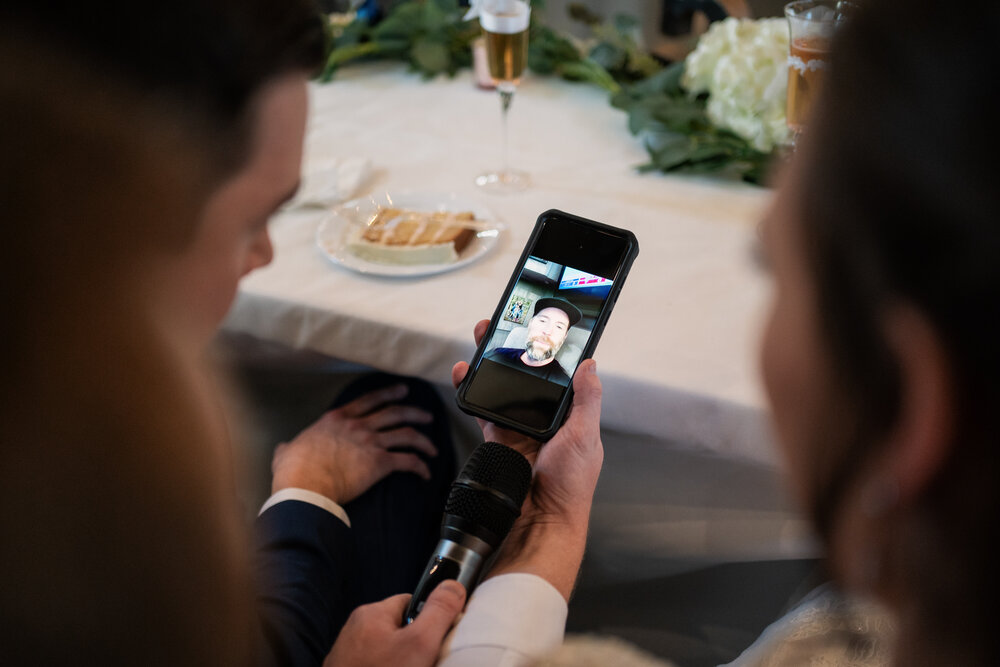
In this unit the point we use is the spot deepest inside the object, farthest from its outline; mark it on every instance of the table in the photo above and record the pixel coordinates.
(690, 475)
(678, 358)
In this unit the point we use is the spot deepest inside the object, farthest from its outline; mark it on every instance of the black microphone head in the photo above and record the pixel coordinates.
(500, 468)
(488, 494)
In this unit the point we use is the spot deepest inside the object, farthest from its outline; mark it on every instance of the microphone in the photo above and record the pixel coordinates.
(482, 505)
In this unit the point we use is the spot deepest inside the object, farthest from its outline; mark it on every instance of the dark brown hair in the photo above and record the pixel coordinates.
(202, 60)
(900, 206)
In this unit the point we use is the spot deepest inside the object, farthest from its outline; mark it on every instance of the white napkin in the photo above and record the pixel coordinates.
(331, 181)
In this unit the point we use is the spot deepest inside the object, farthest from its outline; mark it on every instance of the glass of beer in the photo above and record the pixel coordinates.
(505, 29)
(812, 24)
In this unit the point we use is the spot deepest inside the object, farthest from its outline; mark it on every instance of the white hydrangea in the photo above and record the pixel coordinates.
(743, 66)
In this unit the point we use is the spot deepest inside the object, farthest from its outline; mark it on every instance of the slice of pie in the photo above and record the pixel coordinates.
(397, 236)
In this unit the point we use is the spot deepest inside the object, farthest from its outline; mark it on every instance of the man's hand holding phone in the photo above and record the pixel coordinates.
(548, 539)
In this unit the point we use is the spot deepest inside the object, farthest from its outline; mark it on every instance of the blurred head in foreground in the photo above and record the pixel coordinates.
(120, 543)
(231, 74)
(144, 148)
(881, 357)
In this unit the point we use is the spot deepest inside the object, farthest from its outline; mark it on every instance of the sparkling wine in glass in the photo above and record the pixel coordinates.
(812, 24)
(505, 29)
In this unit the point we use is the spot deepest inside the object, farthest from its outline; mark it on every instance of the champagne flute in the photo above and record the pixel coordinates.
(812, 24)
(505, 29)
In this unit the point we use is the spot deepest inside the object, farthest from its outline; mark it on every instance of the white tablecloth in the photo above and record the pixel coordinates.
(678, 358)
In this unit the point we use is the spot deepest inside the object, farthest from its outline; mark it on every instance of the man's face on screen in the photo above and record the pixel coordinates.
(546, 333)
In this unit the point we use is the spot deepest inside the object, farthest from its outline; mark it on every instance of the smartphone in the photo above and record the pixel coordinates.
(548, 320)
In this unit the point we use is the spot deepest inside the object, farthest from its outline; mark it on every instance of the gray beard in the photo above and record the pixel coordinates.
(540, 355)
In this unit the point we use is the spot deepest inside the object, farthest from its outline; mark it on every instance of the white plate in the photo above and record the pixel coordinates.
(335, 230)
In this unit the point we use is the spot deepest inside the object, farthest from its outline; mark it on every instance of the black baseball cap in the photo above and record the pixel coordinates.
(572, 312)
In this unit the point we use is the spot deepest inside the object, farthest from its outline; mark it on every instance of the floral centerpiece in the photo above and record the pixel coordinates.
(721, 110)
(742, 66)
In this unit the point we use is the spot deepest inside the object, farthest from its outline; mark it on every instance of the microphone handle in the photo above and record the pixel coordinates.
(462, 560)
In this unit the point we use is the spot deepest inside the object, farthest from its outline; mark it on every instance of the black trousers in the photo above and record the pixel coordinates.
(312, 571)
(396, 523)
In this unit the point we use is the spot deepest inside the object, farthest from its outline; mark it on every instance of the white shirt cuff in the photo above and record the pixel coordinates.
(515, 618)
(306, 496)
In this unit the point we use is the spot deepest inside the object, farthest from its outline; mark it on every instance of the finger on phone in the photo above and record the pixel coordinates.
(458, 373)
(587, 392)
(480, 330)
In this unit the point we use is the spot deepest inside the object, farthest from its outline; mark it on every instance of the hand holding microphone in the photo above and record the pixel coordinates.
(549, 538)
(484, 501)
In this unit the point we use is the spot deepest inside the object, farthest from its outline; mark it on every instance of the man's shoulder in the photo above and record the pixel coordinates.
(505, 352)
(559, 372)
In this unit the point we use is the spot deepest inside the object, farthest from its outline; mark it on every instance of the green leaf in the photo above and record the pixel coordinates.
(625, 23)
(547, 50)
(658, 138)
(588, 70)
(642, 65)
(672, 151)
(352, 33)
(680, 116)
(404, 22)
(621, 100)
(758, 172)
(677, 113)
(707, 150)
(608, 56)
(345, 54)
(434, 18)
(639, 118)
(398, 47)
(666, 80)
(580, 13)
(450, 7)
(430, 56)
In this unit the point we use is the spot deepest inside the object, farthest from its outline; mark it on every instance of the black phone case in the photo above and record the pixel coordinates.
(632, 250)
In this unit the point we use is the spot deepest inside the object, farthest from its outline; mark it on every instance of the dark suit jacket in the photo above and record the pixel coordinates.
(304, 559)
(312, 570)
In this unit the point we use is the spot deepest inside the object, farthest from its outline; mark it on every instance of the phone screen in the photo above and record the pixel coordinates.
(548, 321)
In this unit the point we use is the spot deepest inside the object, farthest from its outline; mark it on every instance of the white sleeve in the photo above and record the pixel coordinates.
(310, 497)
(511, 620)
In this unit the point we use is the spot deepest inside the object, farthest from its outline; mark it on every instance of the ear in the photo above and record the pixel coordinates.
(924, 432)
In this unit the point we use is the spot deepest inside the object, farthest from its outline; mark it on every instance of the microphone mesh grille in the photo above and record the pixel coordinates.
(503, 471)
(501, 468)
(481, 509)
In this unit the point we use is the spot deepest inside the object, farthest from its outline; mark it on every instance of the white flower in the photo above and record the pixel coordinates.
(743, 66)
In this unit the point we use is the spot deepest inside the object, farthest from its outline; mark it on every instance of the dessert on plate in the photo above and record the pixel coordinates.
(400, 236)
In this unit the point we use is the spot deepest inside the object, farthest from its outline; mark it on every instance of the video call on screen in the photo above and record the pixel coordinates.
(540, 284)
(569, 261)
(535, 351)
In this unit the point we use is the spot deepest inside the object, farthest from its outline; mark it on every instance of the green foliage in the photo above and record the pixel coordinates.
(615, 48)
(676, 132)
(550, 53)
(432, 37)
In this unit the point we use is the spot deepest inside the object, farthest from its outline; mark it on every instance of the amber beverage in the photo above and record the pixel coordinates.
(506, 54)
(807, 59)
(505, 26)
(811, 27)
